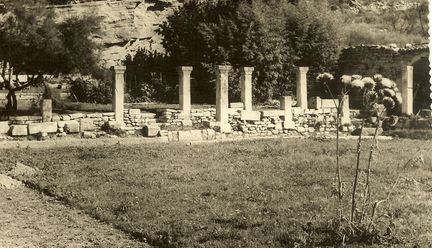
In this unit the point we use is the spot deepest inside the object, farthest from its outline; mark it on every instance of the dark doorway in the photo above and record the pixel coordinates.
(421, 85)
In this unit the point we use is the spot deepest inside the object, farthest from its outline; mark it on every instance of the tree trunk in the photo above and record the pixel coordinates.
(12, 103)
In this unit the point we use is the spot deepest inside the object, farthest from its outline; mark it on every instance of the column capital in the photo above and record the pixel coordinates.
(223, 68)
(409, 68)
(118, 68)
(247, 70)
(184, 68)
(303, 68)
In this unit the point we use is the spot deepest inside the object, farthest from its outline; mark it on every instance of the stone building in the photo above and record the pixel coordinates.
(398, 64)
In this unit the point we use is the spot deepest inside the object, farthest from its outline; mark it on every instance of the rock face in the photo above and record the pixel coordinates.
(126, 25)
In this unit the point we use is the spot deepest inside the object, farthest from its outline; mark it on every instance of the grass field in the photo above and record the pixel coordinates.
(243, 194)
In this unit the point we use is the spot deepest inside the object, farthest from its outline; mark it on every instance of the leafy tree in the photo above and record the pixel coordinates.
(33, 43)
(273, 36)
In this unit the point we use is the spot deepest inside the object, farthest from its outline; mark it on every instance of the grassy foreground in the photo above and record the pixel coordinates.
(243, 194)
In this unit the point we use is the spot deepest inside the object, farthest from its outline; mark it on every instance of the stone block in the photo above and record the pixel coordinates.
(45, 127)
(186, 123)
(94, 115)
(192, 135)
(86, 124)
(148, 115)
(108, 114)
(269, 113)
(4, 127)
(246, 115)
(65, 118)
(89, 135)
(134, 111)
(209, 124)
(151, 130)
(278, 126)
(211, 134)
(76, 116)
(71, 126)
(223, 128)
(56, 118)
(239, 105)
(19, 130)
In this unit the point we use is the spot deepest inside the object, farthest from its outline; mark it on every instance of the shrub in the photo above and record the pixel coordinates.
(91, 90)
(150, 76)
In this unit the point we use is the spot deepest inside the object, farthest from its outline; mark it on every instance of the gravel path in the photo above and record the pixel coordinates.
(30, 219)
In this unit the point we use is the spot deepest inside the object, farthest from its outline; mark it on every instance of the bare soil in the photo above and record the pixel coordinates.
(30, 219)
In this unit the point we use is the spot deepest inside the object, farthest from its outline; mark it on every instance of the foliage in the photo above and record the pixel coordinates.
(91, 90)
(33, 43)
(150, 77)
(272, 36)
(363, 33)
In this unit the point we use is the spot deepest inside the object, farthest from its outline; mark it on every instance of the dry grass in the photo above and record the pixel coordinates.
(244, 194)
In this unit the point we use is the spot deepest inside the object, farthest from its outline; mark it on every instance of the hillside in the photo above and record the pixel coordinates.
(131, 24)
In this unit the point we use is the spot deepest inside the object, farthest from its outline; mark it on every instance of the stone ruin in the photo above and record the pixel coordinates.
(305, 116)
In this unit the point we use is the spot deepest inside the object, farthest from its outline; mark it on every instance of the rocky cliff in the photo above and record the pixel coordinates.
(126, 25)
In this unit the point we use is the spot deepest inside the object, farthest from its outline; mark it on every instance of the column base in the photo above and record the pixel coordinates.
(345, 121)
(186, 123)
(223, 128)
(288, 125)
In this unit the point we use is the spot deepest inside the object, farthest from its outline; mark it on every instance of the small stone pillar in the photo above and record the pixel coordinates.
(222, 97)
(407, 90)
(185, 93)
(302, 100)
(246, 87)
(286, 106)
(46, 110)
(345, 114)
(118, 92)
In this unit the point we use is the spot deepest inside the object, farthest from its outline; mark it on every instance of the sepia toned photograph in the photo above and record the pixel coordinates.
(215, 123)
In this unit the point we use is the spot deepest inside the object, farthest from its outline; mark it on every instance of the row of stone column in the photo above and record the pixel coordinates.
(222, 73)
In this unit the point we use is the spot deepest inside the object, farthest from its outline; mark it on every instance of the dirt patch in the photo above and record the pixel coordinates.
(29, 219)
(20, 170)
(7, 182)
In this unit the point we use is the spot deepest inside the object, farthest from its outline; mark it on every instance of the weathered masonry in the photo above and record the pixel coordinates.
(408, 67)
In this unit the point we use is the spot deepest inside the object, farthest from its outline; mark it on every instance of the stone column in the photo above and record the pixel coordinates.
(345, 115)
(222, 97)
(46, 110)
(302, 100)
(286, 106)
(118, 92)
(246, 87)
(407, 90)
(185, 92)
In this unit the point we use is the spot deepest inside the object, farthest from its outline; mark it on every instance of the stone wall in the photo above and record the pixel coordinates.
(261, 123)
(368, 60)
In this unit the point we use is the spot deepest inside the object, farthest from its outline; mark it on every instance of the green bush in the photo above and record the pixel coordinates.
(272, 36)
(90, 90)
(150, 76)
